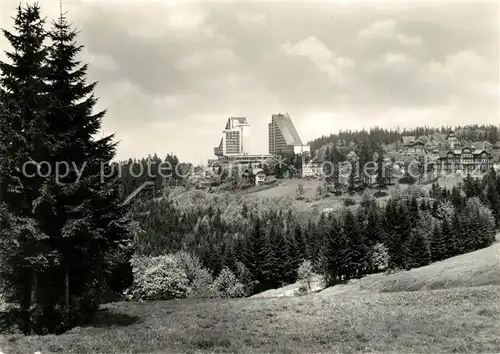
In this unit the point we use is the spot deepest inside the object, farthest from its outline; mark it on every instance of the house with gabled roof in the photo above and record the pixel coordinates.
(412, 145)
(408, 140)
(465, 160)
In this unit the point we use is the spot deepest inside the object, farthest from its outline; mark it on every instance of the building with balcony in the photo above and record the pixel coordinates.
(283, 137)
(234, 137)
(464, 160)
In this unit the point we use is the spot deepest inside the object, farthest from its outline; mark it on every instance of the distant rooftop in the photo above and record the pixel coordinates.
(232, 122)
(408, 139)
(444, 153)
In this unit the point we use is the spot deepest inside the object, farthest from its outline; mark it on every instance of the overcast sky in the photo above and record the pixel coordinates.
(170, 74)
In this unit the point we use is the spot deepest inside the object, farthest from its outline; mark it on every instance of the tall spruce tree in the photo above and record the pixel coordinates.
(270, 266)
(381, 168)
(352, 253)
(292, 258)
(254, 253)
(437, 244)
(26, 253)
(448, 239)
(76, 239)
(419, 250)
(330, 257)
(362, 242)
(298, 235)
(413, 211)
(89, 226)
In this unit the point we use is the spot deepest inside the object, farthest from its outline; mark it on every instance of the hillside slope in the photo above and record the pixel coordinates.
(477, 268)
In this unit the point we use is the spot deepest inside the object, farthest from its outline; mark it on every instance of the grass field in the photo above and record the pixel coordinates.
(373, 315)
(312, 208)
(288, 188)
(442, 321)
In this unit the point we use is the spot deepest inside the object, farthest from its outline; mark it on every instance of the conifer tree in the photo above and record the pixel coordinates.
(353, 255)
(448, 239)
(230, 259)
(419, 253)
(330, 258)
(317, 239)
(397, 224)
(492, 195)
(381, 168)
(270, 266)
(300, 241)
(309, 238)
(90, 227)
(468, 187)
(374, 232)
(345, 256)
(254, 251)
(437, 244)
(459, 228)
(413, 210)
(423, 205)
(292, 258)
(405, 227)
(281, 262)
(26, 253)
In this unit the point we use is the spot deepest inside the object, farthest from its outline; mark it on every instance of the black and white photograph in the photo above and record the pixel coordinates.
(181, 176)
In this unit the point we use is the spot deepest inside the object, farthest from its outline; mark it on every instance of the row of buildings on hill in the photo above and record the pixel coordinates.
(453, 155)
(444, 153)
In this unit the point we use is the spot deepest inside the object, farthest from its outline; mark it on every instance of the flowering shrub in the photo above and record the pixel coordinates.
(380, 257)
(199, 278)
(182, 275)
(227, 285)
(158, 278)
(305, 274)
(202, 285)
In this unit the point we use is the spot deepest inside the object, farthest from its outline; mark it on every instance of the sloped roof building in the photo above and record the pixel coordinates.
(283, 137)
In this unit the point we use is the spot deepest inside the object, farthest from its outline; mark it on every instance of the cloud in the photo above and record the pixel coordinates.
(207, 59)
(396, 58)
(171, 73)
(465, 65)
(251, 19)
(392, 61)
(324, 59)
(387, 30)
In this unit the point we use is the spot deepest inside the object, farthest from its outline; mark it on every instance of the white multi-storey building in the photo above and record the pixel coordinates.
(234, 138)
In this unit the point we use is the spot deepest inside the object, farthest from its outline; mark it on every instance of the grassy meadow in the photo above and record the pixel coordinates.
(375, 314)
(441, 321)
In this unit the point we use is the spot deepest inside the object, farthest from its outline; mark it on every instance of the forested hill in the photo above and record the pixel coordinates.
(377, 136)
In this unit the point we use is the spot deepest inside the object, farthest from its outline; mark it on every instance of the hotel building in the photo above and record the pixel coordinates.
(283, 137)
(234, 136)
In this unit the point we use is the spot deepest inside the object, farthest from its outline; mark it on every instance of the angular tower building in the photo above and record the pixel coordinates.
(283, 137)
(234, 137)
